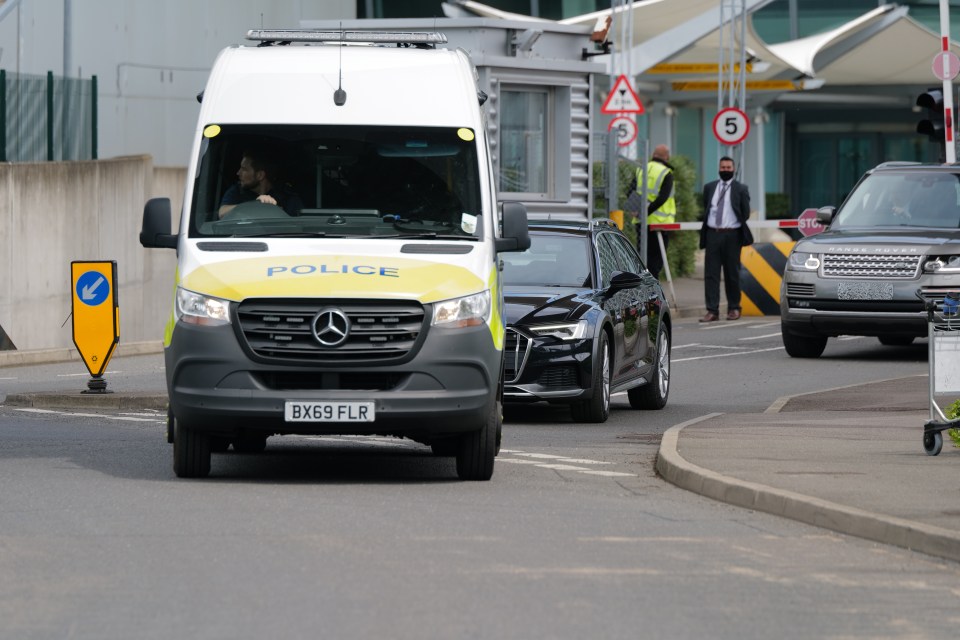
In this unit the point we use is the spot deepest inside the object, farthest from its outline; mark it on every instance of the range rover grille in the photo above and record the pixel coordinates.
(514, 355)
(842, 265)
(379, 329)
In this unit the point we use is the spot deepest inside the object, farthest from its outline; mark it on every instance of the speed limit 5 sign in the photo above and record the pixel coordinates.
(731, 126)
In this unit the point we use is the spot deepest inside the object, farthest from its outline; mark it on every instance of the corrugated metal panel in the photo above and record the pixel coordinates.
(579, 176)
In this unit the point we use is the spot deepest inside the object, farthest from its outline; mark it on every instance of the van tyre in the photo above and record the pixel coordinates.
(597, 408)
(191, 452)
(798, 346)
(654, 394)
(479, 448)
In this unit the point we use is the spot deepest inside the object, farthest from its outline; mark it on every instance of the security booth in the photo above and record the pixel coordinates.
(539, 81)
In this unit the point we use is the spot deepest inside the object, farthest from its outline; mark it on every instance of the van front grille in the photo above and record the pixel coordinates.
(361, 330)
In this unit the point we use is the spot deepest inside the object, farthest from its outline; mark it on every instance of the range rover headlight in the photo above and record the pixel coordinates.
(561, 330)
(194, 308)
(942, 264)
(801, 261)
(468, 311)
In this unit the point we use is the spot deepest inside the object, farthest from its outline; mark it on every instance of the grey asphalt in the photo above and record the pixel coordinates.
(849, 459)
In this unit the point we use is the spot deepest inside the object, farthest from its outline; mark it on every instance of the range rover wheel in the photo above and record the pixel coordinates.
(191, 451)
(654, 394)
(479, 448)
(802, 346)
(895, 341)
(597, 408)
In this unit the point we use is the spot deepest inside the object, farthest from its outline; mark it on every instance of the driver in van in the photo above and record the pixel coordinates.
(256, 181)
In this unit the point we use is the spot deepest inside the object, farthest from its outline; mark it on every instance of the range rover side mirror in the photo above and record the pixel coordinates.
(825, 215)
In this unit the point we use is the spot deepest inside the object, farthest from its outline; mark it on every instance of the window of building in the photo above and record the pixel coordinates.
(525, 164)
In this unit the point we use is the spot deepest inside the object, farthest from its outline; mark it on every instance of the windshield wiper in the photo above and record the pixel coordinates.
(290, 234)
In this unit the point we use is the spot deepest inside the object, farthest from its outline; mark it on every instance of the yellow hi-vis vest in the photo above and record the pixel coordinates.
(656, 172)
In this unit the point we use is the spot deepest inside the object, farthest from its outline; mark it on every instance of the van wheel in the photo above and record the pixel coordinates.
(597, 408)
(802, 346)
(654, 394)
(896, 341)
(191, 452)
(479, 448)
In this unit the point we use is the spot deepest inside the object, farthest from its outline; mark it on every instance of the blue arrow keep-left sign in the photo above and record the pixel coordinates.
(92, 288)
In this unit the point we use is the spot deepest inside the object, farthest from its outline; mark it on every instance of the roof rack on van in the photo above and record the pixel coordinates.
(421, 39)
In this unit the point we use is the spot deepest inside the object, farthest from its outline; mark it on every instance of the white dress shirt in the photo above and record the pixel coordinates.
(728, 219)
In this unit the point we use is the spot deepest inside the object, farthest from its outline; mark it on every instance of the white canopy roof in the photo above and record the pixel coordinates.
(882, 47)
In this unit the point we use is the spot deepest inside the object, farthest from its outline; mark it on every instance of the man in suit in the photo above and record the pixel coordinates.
(726, 206)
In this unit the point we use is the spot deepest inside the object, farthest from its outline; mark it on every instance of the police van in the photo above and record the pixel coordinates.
(338, 248)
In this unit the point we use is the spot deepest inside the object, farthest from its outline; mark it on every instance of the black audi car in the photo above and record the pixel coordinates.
(585, 319)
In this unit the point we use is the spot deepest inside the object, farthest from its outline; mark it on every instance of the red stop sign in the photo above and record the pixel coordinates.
(807, 223)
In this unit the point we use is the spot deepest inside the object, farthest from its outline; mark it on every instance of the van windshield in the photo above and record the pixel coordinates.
(337, 181)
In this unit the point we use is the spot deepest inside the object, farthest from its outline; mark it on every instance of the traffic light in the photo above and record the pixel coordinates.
(934, 124)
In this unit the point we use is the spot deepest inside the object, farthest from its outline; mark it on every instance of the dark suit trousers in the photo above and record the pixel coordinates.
(654, 259)
(722, 253)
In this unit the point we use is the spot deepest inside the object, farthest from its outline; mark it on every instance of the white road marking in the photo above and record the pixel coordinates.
(724, 355)
(7, 378)
(73, 414)
(684, 346)
(766, 335)
(560, 463)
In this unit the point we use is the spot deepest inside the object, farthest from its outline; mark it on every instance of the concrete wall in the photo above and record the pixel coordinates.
(53, 213)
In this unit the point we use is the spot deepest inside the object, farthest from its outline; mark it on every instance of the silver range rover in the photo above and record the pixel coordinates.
(897, 234)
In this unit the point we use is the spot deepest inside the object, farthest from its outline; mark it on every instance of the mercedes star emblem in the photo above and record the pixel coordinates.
(331, 327)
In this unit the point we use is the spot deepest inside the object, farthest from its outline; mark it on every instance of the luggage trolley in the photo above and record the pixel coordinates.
(943, 325)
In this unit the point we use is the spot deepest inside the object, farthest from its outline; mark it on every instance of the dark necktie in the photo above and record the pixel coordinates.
(718, 221)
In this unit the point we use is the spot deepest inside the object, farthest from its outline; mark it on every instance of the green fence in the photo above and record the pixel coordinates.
(47, 118)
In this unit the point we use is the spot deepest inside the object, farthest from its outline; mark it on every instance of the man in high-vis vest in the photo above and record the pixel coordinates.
(661, 206)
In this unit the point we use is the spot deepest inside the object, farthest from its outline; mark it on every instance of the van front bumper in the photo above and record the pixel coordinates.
(446, 387)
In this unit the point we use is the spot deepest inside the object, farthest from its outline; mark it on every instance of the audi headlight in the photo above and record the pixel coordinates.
(801, 261)
(194, 308)
(561, 330)
(468, 311)
(942, 264)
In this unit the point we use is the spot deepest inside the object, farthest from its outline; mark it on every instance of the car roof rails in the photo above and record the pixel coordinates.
(604, 222)
(897, 163)
(420, 39)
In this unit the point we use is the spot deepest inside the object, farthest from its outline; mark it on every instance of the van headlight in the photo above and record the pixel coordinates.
(468, 311)
(561, 330)
(194, 308)
(801, 261)
(942, 264)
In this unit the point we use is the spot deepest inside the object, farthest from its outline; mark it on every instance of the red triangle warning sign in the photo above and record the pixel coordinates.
(622, 98)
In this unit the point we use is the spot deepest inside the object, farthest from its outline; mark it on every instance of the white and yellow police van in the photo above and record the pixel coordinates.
(337, 254)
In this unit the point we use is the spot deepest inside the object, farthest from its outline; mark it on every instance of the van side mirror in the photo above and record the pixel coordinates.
(155, 232)
(516, 235)
(825, 215)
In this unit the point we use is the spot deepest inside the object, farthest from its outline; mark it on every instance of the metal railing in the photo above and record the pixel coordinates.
(47, 118)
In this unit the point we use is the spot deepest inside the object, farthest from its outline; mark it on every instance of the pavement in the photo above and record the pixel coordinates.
(850, 460)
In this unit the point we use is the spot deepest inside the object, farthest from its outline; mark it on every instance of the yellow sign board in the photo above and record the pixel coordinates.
(95, 310)
(751, 85)
(699, 68)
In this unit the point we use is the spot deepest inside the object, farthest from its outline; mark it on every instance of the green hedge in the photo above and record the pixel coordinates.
(683, 244)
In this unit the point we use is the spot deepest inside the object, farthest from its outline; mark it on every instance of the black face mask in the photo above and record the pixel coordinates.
(726, 176)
